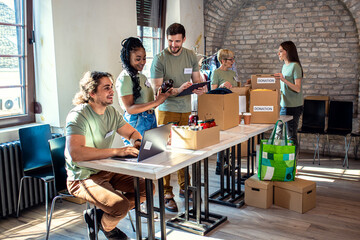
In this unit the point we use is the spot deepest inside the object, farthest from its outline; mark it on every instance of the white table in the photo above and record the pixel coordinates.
(230, 194)
(172, 160)
(161, 165)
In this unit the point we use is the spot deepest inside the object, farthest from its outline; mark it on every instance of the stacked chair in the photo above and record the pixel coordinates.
(313, 122)
(339, 123)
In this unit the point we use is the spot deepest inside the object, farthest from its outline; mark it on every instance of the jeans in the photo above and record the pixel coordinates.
(141, 122)
(293, 124)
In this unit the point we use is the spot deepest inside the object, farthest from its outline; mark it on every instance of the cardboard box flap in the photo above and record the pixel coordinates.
(242, 91)
(298, 185)
(265, 81)
(254, 182)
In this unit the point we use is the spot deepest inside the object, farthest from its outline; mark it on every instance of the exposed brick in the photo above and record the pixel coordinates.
(325, 33)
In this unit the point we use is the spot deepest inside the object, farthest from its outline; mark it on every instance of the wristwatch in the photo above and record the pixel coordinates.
(137, 140)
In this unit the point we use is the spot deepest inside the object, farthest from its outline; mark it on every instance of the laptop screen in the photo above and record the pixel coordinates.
(154, 142)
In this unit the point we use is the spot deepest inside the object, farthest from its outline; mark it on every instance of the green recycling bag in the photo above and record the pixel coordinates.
(277, 158)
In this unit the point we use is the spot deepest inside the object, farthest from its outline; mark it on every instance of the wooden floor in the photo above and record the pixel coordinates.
(336, 216)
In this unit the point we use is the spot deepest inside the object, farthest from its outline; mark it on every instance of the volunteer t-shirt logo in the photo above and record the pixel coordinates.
(263, 108)
(266, 80)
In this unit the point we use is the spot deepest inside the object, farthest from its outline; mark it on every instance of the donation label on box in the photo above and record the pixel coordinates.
(265, 81)
(264, 106)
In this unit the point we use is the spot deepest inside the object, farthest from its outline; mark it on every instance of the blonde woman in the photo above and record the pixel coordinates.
(224, 77)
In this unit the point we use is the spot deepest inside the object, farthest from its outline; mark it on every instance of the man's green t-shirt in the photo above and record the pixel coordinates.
(220, 76)
(124, 87)
(290, 98)
(178, 68)
(99, 132)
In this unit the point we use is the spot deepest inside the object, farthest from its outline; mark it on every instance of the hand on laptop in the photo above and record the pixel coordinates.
(127, 151)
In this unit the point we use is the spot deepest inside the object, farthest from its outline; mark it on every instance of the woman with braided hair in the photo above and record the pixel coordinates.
(134, 90)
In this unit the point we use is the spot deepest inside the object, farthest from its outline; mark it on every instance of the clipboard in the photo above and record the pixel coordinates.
(190, 89)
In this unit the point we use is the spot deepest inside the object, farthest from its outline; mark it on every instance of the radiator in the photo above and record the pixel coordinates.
(33, 192)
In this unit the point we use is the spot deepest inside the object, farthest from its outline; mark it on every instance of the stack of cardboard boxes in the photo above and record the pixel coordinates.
(264, 98)
(298, 195)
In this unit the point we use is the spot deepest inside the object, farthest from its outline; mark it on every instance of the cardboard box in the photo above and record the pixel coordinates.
(224, 108)
(298, 195)
(258, 193)
(244, 97)
(321, 98)
(264, 106)
(265, 81)
(189, 139)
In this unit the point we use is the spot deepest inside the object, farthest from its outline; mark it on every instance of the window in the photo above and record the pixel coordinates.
(150, 28)
(16, 63)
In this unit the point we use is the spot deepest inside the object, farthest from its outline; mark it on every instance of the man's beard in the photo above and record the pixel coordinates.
(175, 51)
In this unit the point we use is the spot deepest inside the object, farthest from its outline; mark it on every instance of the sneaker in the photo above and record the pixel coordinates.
(170, 205)
(144, 210)
(115, 234)
(89, 219)
(182, 194)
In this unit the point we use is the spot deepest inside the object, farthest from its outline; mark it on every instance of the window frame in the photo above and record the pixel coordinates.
(29, 72)
(162, 27)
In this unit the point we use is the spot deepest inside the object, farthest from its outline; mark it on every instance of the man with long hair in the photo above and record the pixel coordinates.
(90, 130)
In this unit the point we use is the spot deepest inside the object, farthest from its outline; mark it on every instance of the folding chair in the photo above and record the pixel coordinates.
(313, 122)
(340, 123)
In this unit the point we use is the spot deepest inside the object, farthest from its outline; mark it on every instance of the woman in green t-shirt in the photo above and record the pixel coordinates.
(224, 77)
(134, 90)
(291, 88)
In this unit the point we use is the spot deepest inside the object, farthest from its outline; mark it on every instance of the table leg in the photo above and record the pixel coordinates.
(248, 158)
(222, 182)
(206, 187)
(253, 155)
(187, 193)
(232, 172)
(198, 222)
(197, 194)
(162, 208)
(239, 168)
(137, 209)
(150, 209)
(227, 161)
(231, 195)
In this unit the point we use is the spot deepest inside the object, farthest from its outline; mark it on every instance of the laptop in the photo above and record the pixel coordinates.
(154, 142)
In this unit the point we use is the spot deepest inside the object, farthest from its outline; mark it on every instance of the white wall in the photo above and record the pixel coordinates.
(75, 37)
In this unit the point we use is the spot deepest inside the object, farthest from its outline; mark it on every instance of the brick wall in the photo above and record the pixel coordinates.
(325, 33)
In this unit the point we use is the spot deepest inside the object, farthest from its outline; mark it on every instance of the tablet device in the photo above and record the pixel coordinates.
(190, 89)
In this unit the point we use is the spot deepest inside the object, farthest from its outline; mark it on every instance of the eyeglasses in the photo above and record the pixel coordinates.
(229, 59)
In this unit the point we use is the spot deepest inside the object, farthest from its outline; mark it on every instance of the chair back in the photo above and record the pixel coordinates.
(57, 148)
(340, 117)
(35, 147)
(313, 115)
